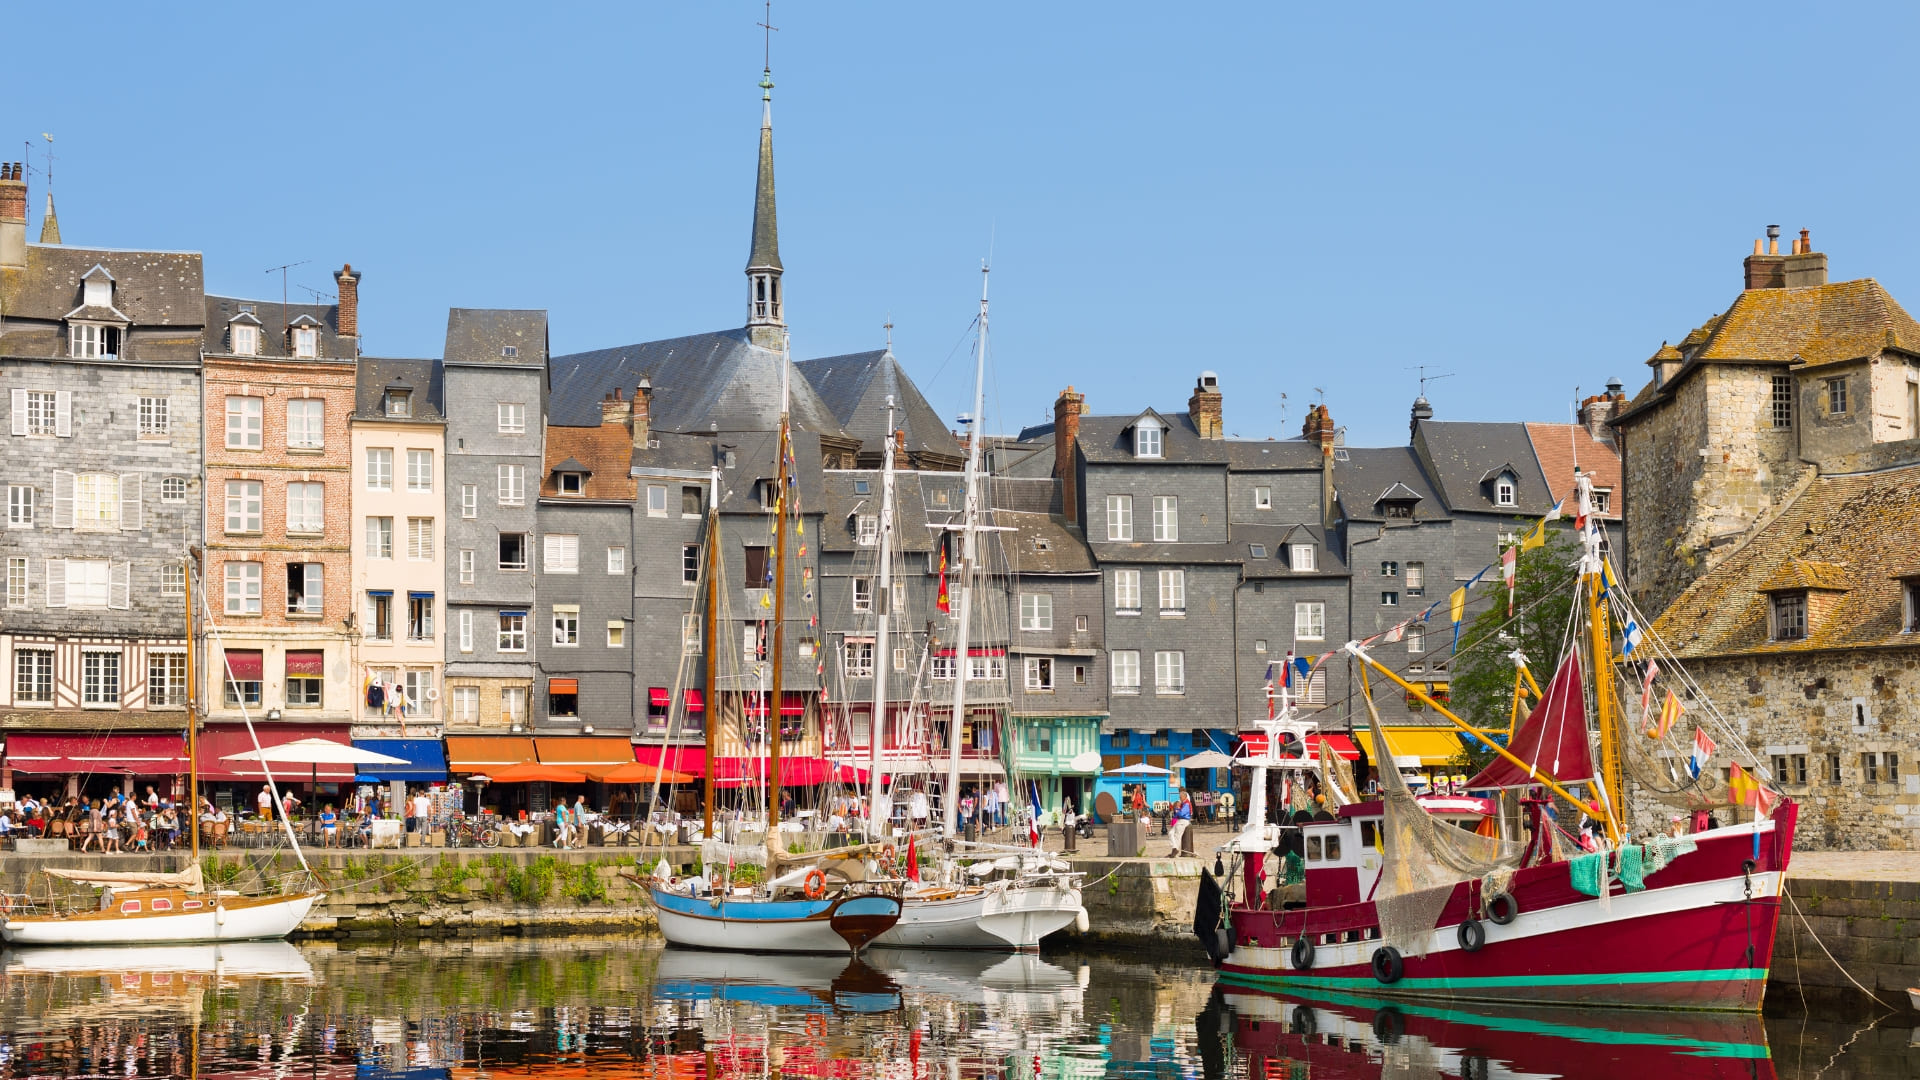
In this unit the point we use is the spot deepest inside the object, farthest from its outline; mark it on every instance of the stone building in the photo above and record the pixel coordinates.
(100, 357)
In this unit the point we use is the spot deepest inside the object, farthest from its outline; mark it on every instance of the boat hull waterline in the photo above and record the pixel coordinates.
(828, 926)
(240, 919)
(990, 918)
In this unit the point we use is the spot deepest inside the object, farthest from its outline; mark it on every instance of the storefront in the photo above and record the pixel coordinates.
(92, 764)
(236, 785)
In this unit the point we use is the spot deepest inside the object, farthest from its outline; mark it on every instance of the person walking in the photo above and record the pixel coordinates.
(1177, 821)
(560, 836)
(264, 801)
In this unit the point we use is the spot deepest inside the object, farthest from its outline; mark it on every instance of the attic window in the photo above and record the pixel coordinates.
(941, 496)
(1397, 509)
(306, 343)
(509, 351)
(867, 529)
(93, 341)
(1912, 595)
(97, 290)
(1043, 545)
(1256, 551)
(1300, 556)
(1789, 616)
(1603, 500)
(246, 340)
(862, 487)
(1146, 439)
(399, 402)
(1503, 489)
(572, 483)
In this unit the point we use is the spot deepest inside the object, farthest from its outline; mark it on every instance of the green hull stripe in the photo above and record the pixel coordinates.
(1488, 982)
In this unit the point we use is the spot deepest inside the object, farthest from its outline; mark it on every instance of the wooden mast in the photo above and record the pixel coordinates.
(710, 636)
(193, 734)
(778, 655)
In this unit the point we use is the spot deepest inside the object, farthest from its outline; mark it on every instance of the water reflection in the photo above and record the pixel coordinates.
(619, 1008)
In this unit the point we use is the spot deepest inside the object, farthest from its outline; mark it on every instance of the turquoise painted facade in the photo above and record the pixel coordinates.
(1043, 749)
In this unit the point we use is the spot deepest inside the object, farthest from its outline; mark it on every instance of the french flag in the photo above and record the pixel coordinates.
(1703, 748)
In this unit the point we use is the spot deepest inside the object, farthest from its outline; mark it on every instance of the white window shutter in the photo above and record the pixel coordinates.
(63, 413)
(62, 499)
(120, 586)
(56, 583)
(129, 500)
(19, 412)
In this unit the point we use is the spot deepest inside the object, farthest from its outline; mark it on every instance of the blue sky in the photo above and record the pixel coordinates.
(1529, 197)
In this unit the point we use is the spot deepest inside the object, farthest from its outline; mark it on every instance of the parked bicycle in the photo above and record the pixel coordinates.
(471, 832)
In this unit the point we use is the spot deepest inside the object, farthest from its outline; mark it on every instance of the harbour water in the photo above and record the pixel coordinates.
(616, 1007)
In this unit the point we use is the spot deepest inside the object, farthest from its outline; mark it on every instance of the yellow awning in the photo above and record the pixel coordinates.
(1432, 745)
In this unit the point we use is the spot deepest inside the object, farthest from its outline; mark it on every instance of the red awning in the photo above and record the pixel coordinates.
(691, 760)
(792, 703)
(659, 697)
(977, 650)
(732, 772)
(135, 754)
(1255, 744)
(219, 740)
(306, 664)
(246, 664)
(696, 700)
(563, 686)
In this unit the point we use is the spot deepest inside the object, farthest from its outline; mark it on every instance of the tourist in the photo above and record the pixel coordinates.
(917, 809)
(112, 842)
(264, 801)
(560, 824)
(329, 827)
(1068, 820)
(1000, 802)
(1177, 821)
(289, 803)
(580, 815)
(170, 826)
(422, 811)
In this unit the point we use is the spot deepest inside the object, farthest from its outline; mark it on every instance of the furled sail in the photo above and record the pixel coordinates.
(188, 879)
(1552, 739)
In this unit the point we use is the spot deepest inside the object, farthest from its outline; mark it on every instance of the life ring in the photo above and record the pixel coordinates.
(1302, 954)
(1388, 965)
(816, 884)
(887, 854)
(6, 904)
(433, 693)
(1502, 908)
(1472, 935)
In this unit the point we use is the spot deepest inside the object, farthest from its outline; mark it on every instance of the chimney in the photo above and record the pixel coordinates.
(1805, 268)
(1422, 410)
(1203, 408)
(1597, 410)
(1067, 410)
(642, 413)
(615, 409)
(348, 280)
(13, 215)
(1319, 430)
(1766, 269)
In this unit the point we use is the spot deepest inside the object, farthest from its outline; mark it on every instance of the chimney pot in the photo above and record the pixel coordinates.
(1067, 410)
(642, 413)
(13, 215)
(1203, 408)
(348, 281)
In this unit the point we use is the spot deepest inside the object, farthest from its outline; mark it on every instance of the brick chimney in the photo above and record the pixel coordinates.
(1204, 406)
(348, 280)
(642, 413)
(13, 215)
(1596, 411)
(615, 409)
(1067, 410)
(1318, 429)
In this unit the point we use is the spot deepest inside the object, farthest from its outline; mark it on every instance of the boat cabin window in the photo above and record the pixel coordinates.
(127, 906)
(1370, 834)
(1333, 846)
(1313, 849)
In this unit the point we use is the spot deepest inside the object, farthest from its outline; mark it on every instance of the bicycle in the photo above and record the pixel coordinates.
(465, 832)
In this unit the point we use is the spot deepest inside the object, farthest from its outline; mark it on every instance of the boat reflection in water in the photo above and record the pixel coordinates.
(811, 984)
(1346, 1036)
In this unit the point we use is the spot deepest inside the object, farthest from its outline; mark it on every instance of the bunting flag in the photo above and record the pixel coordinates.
(913, 860)
(1670, 712)
(1459, 604)
(1750, 790)
(1509, 560)
(1033, 819)
(1631, 638)
(1398, 632)
(1703, 748)
(1646, 688)
(1270, 694)
(1286, 670)
(942, 602)
(1606, 579)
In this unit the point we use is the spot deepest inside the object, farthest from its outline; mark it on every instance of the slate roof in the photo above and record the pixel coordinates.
(676, 453)
(1250, 455)
(1026, 494)
(842, 501)
(1173, 554)
(699, 381)
(753, 461)
(1328, 561)
(274, 318)
(152, 288)
(1369, 473)
(1817, 541)
(604, 451)
(477, 335)
(1554, 449)
(1011, 457)
(424, 376)
(855, 388)
(1464, 455)
(1109, 439)
(1043, 544)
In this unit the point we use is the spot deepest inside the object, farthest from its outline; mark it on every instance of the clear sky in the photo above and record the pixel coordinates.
(1529, 198)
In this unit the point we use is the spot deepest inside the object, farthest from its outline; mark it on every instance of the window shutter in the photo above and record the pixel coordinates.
(130, 501)
(62, 499)
(314, 586)
(19, 412)
(120, 585)
(63, 413)
(56, 583)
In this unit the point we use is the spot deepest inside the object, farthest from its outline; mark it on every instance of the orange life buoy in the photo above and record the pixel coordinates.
(816, 884)
(887, 854)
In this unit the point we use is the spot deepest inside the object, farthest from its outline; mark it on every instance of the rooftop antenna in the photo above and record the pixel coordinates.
(318, 296)
(49, 139)
(1322, 391)
(1283, 410)
(287, 322)
(1426, 378)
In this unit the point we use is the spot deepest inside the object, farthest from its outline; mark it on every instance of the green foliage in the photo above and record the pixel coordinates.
(450, 877)
(583, 884)
(746, 874)
(354, 869)
(1482, 685)
(405, 875)
(220, 873)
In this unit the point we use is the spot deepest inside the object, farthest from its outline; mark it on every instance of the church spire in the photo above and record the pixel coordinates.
(50, 225)
(766, 317)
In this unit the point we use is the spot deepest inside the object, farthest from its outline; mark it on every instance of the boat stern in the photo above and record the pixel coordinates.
(860, 919)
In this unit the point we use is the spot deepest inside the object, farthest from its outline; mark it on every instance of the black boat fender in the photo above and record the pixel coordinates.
(1387, 964)
(1472, 935)
(1502, 908)
(1303, 954)
(1208, 925)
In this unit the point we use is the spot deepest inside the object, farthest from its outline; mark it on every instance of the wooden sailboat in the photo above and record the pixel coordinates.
(153, 908)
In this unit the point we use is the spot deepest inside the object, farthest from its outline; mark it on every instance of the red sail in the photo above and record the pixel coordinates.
(1553, 739)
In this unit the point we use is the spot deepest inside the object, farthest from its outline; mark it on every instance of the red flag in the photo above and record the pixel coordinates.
(942, 601)
(1508, 560)
(913, 861)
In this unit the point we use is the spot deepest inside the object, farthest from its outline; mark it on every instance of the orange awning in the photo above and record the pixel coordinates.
(563, 686)
(634, 772)
(574, 751)
(530, 771)
(485, 753)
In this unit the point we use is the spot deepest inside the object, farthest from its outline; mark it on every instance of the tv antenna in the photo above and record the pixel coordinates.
(282, 271)
(318, 296)
(1426, 378)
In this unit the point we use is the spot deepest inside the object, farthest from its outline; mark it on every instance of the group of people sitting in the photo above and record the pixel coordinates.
(121, 822)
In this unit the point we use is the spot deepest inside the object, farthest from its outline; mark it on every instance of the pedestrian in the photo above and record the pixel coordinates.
(264, 801)
(422, 811)
(560, 824)
(917, 808)
(1178, 819)
(580, 813)
(289, 802)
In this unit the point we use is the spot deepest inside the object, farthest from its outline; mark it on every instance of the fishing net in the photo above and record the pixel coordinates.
(1337, 774)
(1424, 859)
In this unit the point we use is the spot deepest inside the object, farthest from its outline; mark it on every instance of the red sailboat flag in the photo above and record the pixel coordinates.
(942, 602)
(913, 860)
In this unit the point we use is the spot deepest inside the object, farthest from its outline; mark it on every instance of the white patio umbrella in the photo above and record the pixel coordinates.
(1138, 769)
(315, 753)
(1205, 759)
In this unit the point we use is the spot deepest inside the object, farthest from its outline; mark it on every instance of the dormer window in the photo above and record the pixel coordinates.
(98, 288)
(1789, 616)
(399, 401)
(509, 352)
(867, 529)
(1146, 439)
(93, 341)
(306, 342)
(246, 340)
(572, 483)
(862, 487)
(1603, 500)
(1503, 490)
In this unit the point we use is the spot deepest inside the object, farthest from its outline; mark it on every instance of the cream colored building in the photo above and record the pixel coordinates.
(399, 560)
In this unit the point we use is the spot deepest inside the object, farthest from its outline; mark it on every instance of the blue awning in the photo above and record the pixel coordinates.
(426, 760)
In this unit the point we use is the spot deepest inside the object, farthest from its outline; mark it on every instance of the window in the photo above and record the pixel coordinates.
(399, 403)
(1789, 616)
(512, 485)
(1119, 517)
(1790, 768)
(1416, 579)
(43, 412)
(469, 500)
(943, 668)
(1263, 498)
(1837, 396)
(1173, 592)
(862, 594)
(899, 659)
(513, 551)
(304, 589)
(1036, 611)
(96, 501)
(1503, 490)
(690, 627)
(759, 570)
(379, 625)
(466, 631)
(1913, 407)
(1911, 589)
(241, 678)
(1166, 518)
(1121, 739)
(19, 506)
(166, 679)
(379, 538)
(513, 704)
(1169, 673)
(1079, 624)
(306, 424)
(243, 588)
(1603, 500)
(1389, 599)
(379, 469)
(420, 616)
(244, 418)
(513, 418)
(100, 679)
(1310, 621)
(466, 705)
(690, 564)
(246, 340)
(93, 341)
(1389, 569)
(1783, 401)
(420, 539)
(306, 342)
(1416, 640)
(420, 470)
(616, 634)
(513, 631)
(1040, 674)
(562, 554)
(173, 489)
(616, 560)
(899, 598)
(1126, 592)
(859, 655)
(304, 681)
(1146, 439)
(1890, 765)
(173, 579)
(863, 487)
(1833, 768)
(33, 676)
(867, 529)
(983, 668)
(656, 499)
(306, 508)
(156, 417)
(566, 624)
(692, 500)
(87, 583)
(1870, 767)
(1256, 551)
(1302, 557)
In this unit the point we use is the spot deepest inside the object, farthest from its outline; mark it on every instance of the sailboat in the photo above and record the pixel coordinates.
(796, 911)
(1398, 901)
(157, 908)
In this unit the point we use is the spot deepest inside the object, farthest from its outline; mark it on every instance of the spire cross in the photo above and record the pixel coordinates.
(888, 326)
(769, 28)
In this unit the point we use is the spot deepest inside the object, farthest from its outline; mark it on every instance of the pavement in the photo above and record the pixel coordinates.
(1855, 865)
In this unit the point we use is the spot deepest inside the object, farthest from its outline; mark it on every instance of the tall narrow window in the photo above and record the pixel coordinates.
(466, 631)
(513, 418)
(245, 416)
(306, 508)
(862, 594)
(513, 631)
(1126, 592)
(306, 343)
(466, 705)
(1170, 673)
(16, 581)
(33, 676)
(379, 469)
(1302, 556)
(166, 679)
(1416, 579)
(1837, 395)
(243, 506)
(379, 538)
(616, 560)
(420, 470)
(243, 588)
(1263, 498)
(1173, 592)
(1120, 517)
(469, 500)
(1166, 518)
(466, 566)
(1789, 616)
(690, 563)
(1310, 621)
(656, 500)
(419, 616)
(512, 485)
(420, 539)
(20, 506)
(1125, 664)
(306, 424)
(1783, 401)
(379, 625)
(1146, 439)
(99, 679)
(305, 593)
(566, 624)
(156, 417)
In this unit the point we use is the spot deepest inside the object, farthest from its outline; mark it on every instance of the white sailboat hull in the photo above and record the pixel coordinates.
(248, 921)
(996, 918)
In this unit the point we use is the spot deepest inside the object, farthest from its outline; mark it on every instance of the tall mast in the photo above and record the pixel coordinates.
(710, 632)
(882, 657)
(193, 737)
(777, 699)
(1606, 710)
(969, 525)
